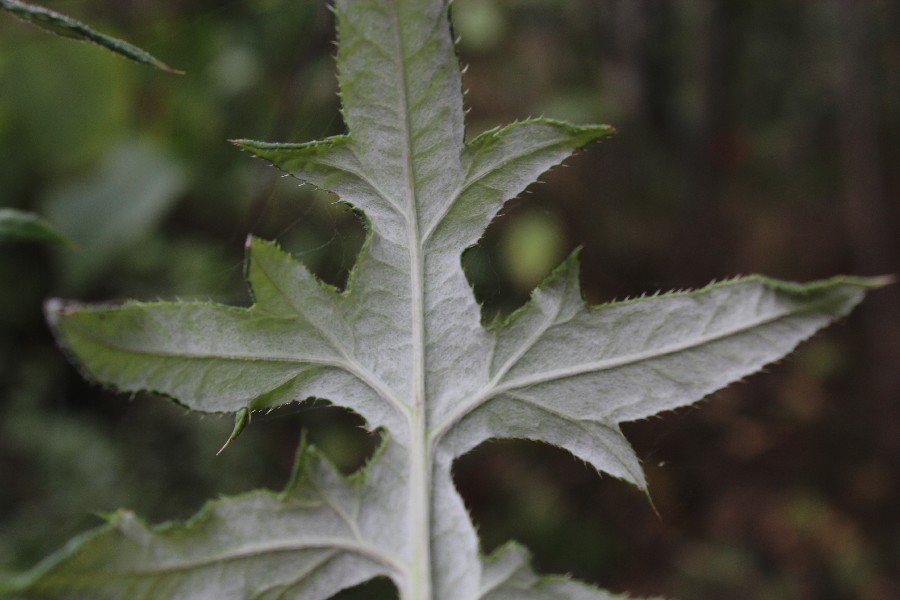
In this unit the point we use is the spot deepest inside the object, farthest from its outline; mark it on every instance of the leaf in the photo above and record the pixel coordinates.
(16, 225)
(114, 209)
(508, 577)
(65, 26)
(404, 347)
(318, 531)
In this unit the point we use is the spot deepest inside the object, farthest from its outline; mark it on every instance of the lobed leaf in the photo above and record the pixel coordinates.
(405, 347)
(508, 577)
(321, 534)
(569, 375)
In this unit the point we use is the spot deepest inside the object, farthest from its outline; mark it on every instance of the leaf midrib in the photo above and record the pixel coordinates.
(419, 579)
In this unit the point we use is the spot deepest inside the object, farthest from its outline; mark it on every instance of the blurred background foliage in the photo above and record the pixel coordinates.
(753, 137)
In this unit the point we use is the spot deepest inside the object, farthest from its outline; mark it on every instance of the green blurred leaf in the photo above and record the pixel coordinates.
(531, 248)
(16, 225)
(480, 24)
(65, 26)
(60, 119)
(115, 209)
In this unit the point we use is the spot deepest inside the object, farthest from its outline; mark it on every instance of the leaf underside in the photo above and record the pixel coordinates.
(404, 347)
(65, 26)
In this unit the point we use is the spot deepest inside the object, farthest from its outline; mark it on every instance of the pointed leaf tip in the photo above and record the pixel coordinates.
(880, 281)
(241, 419)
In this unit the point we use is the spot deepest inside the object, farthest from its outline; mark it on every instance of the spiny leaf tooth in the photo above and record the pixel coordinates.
(241, 420)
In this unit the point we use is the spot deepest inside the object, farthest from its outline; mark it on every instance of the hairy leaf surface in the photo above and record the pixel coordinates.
(404, 346)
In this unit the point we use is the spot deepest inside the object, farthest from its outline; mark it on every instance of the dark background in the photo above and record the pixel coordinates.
(754, 136)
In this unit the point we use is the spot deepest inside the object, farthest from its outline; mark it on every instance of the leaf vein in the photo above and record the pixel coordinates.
(489, 391)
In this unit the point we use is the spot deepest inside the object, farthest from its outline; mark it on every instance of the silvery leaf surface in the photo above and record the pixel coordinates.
(322, 533)
(405, 347)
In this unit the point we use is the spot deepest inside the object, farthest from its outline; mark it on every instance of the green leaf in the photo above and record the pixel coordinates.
(296, 544)
(16, 225)
(508, 577)
(65, 26)
(404, 346)
(114, 209)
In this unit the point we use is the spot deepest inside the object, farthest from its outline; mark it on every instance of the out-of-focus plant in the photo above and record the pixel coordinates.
(66, 26)
(16, 225)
